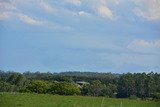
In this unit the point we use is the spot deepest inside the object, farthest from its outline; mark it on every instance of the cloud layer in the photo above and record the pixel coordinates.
(149, 10)
(104, 8)
(151, 46)
(80, 34)
(30, 20)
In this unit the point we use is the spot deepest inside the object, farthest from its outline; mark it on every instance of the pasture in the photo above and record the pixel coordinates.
(45, 100)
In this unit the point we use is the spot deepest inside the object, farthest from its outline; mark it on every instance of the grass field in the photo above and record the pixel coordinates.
(41, 100)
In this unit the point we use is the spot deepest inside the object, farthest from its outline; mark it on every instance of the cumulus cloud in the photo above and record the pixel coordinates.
(105, 12)
(82, 13)
(30, 20)
(150, 9)
(102, 8)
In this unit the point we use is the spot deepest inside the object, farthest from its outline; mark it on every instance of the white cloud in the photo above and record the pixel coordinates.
(46, 6)
(6, 9)
(150, 9)
(145, 46)
(4, 15)
(75, 2)
(96, 7)
(30, 20)
(4, 6)
(105, 12)
(101, 8)
(9, 10)
(82, 13)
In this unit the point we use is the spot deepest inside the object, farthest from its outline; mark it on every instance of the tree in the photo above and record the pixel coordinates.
(126, 86)
(94, 89)
(37, 86)
(12, 78)
(151, 85)
(7, 87)
(64, 88)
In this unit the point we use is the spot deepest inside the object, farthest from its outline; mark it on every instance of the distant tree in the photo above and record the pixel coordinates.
(7, 87)
(64, 88)
(94, 89)
(130, 85)
(141, 85)
(37, 86)
(21, 81)
(12, 78)
(151, 85)
(109, 90)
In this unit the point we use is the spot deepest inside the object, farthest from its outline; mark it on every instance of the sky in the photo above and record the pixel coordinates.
(116, 36)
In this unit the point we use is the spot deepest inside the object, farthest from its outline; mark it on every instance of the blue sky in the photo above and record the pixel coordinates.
(80, 35)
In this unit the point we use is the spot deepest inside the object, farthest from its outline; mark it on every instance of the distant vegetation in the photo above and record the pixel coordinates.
(133, 86)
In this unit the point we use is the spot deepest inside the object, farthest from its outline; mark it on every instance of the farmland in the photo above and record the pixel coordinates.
(46, 100)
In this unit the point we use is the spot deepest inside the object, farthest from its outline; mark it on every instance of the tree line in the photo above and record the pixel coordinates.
(129, 85)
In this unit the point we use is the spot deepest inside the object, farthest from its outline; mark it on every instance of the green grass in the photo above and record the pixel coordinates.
(42, 100)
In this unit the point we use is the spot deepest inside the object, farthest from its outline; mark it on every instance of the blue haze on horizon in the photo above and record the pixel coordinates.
(80, 35)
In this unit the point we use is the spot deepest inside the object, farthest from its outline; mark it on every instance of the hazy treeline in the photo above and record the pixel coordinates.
(136, 85)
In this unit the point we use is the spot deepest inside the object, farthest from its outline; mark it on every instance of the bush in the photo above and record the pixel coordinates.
(64, 88)
(37, 86)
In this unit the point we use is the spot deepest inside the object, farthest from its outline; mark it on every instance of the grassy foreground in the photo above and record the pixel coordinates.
(42, 100)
